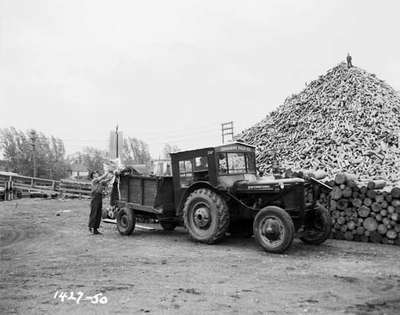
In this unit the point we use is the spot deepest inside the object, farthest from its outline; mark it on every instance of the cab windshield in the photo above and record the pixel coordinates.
(236, 163)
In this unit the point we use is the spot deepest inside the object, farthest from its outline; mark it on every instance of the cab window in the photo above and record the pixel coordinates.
(200, 163)
(186, 173)
(222, 163)
(250, 162)
(236, 163)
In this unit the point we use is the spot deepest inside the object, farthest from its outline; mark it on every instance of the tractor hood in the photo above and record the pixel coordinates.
(264, 184)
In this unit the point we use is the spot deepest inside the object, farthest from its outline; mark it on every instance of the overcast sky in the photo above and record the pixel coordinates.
(172, 71)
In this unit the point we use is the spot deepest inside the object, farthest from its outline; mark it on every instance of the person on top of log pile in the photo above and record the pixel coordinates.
(348, 59)
(99, 183)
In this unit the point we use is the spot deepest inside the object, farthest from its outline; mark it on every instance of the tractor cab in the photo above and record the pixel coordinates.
(219, 166)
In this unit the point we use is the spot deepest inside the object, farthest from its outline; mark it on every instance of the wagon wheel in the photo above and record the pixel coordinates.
(126, 221)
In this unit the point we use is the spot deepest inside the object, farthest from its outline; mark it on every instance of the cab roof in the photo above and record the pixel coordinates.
(219, 147)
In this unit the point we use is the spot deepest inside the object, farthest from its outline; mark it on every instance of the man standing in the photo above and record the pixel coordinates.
(348, 59)
(98, 186)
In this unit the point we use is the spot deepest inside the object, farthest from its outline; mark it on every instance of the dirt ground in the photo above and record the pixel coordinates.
(45, 247)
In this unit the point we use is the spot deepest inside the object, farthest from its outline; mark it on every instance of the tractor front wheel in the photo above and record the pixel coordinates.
(126, 221)
(206, 216)
(273, 229)
(317, 226)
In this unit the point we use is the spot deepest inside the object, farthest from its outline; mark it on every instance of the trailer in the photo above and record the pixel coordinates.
(148, 196)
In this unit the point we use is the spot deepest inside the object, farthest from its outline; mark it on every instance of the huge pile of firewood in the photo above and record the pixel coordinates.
(347, 120)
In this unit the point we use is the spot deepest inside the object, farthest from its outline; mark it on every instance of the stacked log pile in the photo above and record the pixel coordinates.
(364, 212)
(347, 120)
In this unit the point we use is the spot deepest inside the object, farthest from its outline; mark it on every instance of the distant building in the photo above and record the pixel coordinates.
(78, 171)
(162, 167)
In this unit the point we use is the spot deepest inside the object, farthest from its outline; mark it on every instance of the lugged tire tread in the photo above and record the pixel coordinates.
(222, 214)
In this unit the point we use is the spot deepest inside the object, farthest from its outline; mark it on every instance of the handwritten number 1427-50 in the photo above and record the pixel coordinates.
(95, 299)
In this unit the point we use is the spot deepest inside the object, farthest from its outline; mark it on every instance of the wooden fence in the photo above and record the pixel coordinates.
(17, 186)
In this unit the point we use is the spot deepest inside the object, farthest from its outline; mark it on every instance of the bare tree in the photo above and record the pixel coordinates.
(135, 152)
(168, 148)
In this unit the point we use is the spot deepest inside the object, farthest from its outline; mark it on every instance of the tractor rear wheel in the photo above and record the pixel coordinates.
(126, 221)
(273, 229)
(318, 225)
(206, 216)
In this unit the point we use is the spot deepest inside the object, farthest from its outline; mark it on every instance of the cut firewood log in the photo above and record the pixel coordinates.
(342, 204)
(364, 211)
(360, 230)
(376, 207)
(395, 192)
(336, 193)
(375, 237)
(386, 222)
(347, 192)
(379, 198)
(382, 229)
(340, 178)
(367, 202)
(370, 224)
(356, 202)
(371, 194)
(363, 190)
(341, 220)
(396, 203)
(384, 204)
(376, 184)
(348, 236)
(351, 225)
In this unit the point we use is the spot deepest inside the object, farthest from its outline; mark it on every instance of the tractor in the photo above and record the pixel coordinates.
(215, 192)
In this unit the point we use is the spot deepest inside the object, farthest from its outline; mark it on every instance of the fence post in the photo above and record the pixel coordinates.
(5, 191)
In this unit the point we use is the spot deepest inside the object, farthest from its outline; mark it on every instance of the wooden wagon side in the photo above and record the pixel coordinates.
(148, 195)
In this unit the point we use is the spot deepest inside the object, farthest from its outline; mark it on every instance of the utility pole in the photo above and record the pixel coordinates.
(116, 142)
(227, 130)
(33, 137)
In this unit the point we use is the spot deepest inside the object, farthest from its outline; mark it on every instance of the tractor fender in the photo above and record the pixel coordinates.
(218, 190)
(194, 187)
